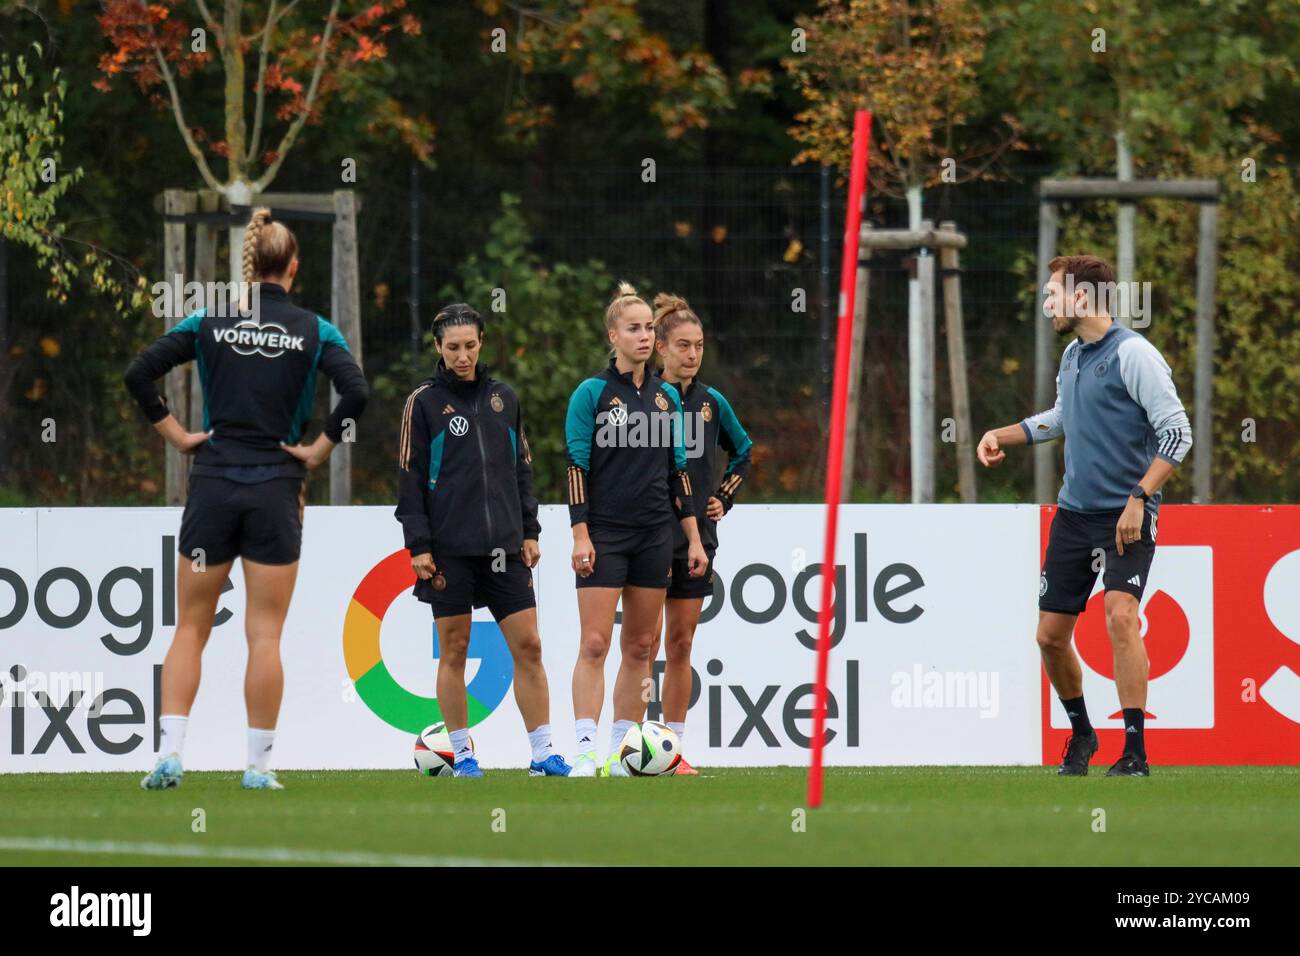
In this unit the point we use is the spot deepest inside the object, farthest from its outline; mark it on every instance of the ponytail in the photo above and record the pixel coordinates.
(269, 248)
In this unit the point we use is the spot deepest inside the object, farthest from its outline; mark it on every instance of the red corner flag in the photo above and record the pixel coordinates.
(835, 443)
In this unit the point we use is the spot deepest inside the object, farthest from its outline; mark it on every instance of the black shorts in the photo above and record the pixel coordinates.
(641, 557)
(460, 584)
(686, 587)
(226, 519)
(1078, 546)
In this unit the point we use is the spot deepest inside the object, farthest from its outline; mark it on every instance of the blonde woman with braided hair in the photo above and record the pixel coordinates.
(628, 485)
(247, 485)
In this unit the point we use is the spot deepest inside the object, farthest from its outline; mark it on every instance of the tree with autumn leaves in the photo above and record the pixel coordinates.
(302, 60)
(913, 64)
(543, 85)
(604, 48)
(304, 57)
(275, 71)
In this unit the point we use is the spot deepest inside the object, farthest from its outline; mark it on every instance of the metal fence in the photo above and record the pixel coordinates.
(744, 245)
(747, 247)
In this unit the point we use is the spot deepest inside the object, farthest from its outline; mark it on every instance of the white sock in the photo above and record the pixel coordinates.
(680, 731)
(460, 744)
(586, 731)
(620, 731)
(540, 740)
(173, 734)
(259, 748)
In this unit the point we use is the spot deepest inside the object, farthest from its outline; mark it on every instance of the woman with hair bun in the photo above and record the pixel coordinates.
(679, 341)
(628, 486)
(247, 485)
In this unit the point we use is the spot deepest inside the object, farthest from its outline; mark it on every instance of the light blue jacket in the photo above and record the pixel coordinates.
(1118, 410)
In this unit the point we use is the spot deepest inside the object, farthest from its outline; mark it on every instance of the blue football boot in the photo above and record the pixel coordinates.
(255, 779)
(166, 774)
(466, 767)
(552, 766)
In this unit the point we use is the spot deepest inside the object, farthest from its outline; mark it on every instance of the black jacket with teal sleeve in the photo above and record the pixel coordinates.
(710, 423)
(465, 479)
(258, 373)
(626, 451)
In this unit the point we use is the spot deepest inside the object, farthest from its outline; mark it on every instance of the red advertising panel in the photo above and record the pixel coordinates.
(1221, 620)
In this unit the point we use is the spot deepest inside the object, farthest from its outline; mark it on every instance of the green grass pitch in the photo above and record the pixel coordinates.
(1220, 816)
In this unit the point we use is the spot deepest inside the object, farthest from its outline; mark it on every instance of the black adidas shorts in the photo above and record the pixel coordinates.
(460, 584)
(641, 557)
(684, 586)
(1078, 546)
(259, 521)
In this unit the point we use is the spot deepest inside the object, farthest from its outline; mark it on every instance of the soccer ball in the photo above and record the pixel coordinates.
(433, 755)
(650, 749)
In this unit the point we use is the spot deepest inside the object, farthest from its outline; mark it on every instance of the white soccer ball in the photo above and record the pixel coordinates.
(650, 749)
(433, 754)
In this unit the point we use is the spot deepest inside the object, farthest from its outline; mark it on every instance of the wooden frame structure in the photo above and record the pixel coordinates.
(204, 210)
(1051, 193)
(921, 352)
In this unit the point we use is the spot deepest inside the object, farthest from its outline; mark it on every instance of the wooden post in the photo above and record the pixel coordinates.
(856, 360)
(923, 436)
(1126, 226)
(948, 261)
(1196, 190)
(238, 194)
(176, 202)
(1044, 368)
(345, 307)
(1202, 409)
(205, 271)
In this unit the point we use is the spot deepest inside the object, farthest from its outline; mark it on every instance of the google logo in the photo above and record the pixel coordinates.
(386, 698)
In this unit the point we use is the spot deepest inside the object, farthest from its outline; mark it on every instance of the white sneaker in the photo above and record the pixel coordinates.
(585, 765)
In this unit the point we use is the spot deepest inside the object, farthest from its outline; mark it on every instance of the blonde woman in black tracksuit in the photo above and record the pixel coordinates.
(257, 363)
(628, 486)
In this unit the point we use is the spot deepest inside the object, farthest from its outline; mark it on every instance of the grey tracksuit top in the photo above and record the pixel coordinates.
(1118, 409)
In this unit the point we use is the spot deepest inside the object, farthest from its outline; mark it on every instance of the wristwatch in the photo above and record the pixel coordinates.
(1139, 493)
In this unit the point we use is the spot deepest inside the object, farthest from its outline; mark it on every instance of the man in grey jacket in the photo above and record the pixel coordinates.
(1125, 431)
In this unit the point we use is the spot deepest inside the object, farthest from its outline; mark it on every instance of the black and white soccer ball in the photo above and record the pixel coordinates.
(650, 749)
(433, 753)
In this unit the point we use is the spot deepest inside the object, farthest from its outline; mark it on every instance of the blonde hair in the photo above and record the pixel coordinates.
(269, 247)
(625, 296)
